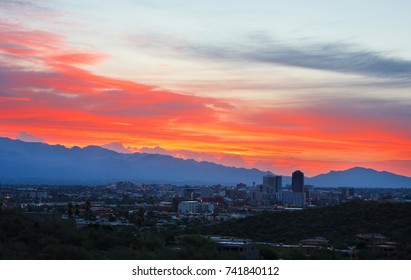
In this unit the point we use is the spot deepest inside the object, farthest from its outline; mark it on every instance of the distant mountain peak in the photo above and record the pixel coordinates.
(360, 177)
(29, 138)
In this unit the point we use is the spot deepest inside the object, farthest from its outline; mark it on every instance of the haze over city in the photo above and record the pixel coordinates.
(309, 85)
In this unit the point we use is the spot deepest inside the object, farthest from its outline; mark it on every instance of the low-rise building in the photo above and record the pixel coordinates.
(291, 199)
(192, 207)
(244, 247)
(378, 246)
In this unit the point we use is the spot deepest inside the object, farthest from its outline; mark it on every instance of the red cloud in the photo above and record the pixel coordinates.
(78, 58)
(61, 91)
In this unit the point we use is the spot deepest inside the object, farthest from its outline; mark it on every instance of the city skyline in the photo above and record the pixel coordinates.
(311, 86)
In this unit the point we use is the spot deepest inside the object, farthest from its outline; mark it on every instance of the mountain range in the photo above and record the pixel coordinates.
(40, 163)
(360, 177)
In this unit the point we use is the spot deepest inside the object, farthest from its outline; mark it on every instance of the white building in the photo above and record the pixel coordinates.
(191, 207)
(291, 199)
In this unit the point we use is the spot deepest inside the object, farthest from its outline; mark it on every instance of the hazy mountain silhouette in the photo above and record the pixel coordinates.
(360, 177)
(40, 163)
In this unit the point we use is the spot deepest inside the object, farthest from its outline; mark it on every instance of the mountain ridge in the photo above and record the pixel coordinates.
(24, 162)
(40, 163)
(360, 177)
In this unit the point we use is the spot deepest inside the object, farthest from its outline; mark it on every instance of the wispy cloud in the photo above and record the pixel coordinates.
(333, 56)
(34, 9)
(16, 3)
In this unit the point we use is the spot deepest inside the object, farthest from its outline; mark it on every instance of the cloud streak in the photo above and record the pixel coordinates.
(332, 57)
(335, 57)
(28, 9)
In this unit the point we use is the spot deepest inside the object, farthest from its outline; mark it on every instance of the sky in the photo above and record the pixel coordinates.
(274, 85)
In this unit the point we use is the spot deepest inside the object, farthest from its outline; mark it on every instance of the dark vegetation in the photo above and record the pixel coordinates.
(339, 224)
(27, 237)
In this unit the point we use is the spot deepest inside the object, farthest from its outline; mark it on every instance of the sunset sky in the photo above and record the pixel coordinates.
(277, 85)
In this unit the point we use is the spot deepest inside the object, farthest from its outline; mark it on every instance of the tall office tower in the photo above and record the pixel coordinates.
(269, 180)
(273, 181)
(278, 183)
(297, 181)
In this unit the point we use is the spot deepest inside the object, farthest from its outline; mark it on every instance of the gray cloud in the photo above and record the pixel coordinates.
(20, 3)
(15, 3)
(27, 6)
(335, 57)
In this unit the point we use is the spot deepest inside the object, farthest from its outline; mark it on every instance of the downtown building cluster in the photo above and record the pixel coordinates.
(271, 192)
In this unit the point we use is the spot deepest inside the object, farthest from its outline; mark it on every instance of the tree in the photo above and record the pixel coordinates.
(268, 253)
(87, 206)
(77, 210)
(70, 209)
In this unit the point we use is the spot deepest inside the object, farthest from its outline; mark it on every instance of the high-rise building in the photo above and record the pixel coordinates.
(269, 180)
(278, 183)
(297, 181)
(273, 181)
